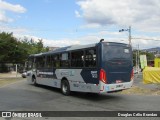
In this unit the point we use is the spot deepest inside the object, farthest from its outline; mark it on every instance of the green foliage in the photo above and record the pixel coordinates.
(150, 56)
(8, 46)
(13, 50)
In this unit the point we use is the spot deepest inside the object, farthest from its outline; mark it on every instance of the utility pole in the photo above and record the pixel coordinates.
(16, 70)
(138, 59)
(129, 36)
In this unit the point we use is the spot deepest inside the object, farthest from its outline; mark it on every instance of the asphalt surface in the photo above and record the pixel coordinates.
(22, 96)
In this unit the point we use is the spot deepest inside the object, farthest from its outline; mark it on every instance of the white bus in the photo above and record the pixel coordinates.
(96, 68)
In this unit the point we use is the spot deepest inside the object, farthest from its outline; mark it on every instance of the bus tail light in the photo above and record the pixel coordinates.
(132, 74)
(103, 77)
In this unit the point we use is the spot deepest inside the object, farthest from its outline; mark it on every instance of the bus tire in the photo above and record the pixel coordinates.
(65, 88)
(34, 81)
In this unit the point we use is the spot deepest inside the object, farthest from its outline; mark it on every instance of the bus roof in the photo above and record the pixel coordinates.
(69, 48)
(74, 47)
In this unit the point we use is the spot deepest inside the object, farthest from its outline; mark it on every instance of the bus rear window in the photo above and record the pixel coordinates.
(116, 52)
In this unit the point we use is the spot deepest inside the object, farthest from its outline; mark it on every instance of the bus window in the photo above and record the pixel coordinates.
(30, 63)
(34, 63)
(112, 52)
(77, 59)
(40, 62)
(56, 61)
(90, 58)
(48, 61)
(65, 60)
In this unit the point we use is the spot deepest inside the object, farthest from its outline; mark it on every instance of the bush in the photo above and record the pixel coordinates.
(3, 68)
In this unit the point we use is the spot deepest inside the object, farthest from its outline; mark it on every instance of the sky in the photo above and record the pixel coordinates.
(68, 22)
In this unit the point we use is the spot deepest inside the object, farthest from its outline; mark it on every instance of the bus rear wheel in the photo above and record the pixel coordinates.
(65, 88)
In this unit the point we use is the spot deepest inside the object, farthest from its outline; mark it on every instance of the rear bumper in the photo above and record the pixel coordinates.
(116, 87)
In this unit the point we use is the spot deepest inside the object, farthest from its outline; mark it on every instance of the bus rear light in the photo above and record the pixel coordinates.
(102, 76)
(132, 74)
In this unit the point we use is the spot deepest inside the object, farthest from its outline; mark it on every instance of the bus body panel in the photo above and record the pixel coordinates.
(73, 76)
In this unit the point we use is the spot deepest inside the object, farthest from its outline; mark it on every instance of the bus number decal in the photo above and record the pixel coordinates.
(94, 74)
(65, 73)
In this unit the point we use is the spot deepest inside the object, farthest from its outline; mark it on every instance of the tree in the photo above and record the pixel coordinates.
(8, 46)
(34, 47)
(150, 56)
(17, 51)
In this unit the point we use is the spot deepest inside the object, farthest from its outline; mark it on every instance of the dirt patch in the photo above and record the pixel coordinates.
(4, 82)
(9, 75)
(135, 90)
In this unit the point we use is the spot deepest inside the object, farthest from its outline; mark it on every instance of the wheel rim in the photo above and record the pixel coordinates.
(34, 80)
(64, 88)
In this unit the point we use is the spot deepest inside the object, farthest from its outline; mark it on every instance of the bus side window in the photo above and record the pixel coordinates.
(34, 63)
(77, 59)
(49, 61)
(56, 61)
(43, 61)
(40, 62)
(65, 60)
(30, 63)
(90, 58)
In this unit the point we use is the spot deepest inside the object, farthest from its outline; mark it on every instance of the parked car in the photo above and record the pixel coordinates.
(24, 74)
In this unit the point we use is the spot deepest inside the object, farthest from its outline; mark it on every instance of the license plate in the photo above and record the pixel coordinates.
(118, 81)
(118, 86)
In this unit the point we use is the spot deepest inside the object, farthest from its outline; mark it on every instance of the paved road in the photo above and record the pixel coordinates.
(24, 97)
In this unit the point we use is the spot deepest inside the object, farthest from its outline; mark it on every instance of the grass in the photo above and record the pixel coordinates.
(4, 82)
(135, 90)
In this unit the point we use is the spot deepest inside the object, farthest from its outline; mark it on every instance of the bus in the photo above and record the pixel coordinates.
(102, 67)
